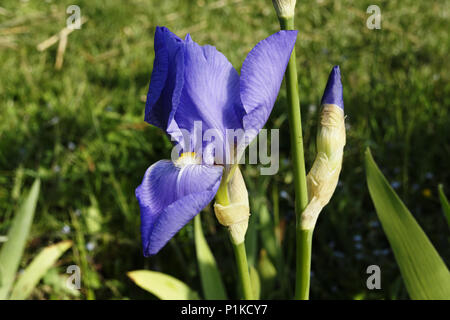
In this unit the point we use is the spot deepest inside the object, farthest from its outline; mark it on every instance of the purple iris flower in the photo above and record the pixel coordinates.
(192, 83)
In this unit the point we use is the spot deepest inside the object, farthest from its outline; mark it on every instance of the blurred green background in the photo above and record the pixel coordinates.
(81, 129)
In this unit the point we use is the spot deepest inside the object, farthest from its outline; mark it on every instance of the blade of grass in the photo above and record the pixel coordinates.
(213, 288)
(163, 286)
(82, 257)
(37, 269)
(12, 251)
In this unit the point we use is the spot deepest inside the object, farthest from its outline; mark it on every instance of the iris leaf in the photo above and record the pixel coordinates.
(424, 272)
(267, 274)
(12, 250)
(251, 238)
(163, 286)
(256, 282)
(37, 269)
(444, 203)
(267, 230)
(213, 288)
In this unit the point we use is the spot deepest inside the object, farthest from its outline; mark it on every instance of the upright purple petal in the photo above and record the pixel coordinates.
(261, 76)
(333, 91)
(170, 196)
(167, 77)
(210, 92)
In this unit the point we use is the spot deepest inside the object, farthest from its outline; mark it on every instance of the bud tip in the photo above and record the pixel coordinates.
(284, 8)
(333, 91)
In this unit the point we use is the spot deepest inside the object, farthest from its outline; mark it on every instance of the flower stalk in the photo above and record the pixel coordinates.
(303, 254)
(304, 247)
(243, 271)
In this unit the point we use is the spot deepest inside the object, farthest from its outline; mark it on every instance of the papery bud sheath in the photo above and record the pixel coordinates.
(235, 215)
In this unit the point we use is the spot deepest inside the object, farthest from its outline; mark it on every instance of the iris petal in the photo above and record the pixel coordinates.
(210, 92)
(167, 77)
(170, 196)
(261, 76)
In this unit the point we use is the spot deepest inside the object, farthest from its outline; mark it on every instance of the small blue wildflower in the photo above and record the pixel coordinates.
(395, 184)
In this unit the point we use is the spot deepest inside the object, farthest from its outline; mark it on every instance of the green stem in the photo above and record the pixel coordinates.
(298, 158)
(240, 254)
(242, 265)
(304, 245)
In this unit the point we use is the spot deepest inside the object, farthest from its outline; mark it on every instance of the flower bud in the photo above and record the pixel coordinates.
(284, 8)
(235, 215)
(323, 177)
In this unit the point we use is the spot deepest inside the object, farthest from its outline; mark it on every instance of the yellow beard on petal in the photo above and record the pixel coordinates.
(187, 158)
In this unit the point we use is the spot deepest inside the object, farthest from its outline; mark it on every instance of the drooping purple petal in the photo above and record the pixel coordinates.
(170, 196)
(333, 91)
(261, 76)
(210, 92)
(167, 77)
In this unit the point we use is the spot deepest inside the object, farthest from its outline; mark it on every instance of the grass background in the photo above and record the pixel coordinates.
(81, 130)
